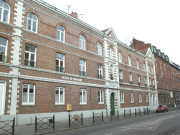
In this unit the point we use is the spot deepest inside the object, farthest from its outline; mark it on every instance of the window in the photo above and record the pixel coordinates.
(99, 49)
(153, 83)
(60, 62)
(120, 76)
(140, 98)
(111, 53)
(82, 67)
(122, 97)
(130, 78)
(100, 72)
(59, 96)
(144, 67)
(82, 42)
(119, 57)
(101, 97)
(30, 56)
(151, 70)
(4, 11)
(149, 82)
(111, 72)
(28, 96)
(129, 60)
(137, 64)
(139, 79)
(147, 97)
(132, 97)
(32, 22)
(3, 49)
(60, 33)
(145, 81)
(83, 96)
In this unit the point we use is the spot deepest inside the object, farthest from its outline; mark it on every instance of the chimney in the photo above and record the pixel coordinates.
(74, 14)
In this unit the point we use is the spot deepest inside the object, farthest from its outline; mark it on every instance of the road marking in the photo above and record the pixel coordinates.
(109, 134)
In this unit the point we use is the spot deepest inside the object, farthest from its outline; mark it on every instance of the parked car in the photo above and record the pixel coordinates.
(162, 108)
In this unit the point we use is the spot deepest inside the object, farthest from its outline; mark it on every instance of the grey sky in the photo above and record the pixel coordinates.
(152, 21)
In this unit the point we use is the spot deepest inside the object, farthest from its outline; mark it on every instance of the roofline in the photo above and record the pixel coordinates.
(56, 10)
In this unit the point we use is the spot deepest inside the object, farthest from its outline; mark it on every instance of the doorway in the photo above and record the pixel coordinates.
(112, 104)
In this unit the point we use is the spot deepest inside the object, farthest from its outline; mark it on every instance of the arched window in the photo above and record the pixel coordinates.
(4, 11)
(129, 60)
(82, 42)
(3, 49)
(99, 49)
(119, 57)
(60, 33)
(32, 22)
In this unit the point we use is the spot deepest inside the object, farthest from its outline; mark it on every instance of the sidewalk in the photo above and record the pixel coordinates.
(75, 124)
(63, 126)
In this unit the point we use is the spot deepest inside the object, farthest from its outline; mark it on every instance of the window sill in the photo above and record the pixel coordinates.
(59, 104)
(100, 103)
(83, 104)
(27, 104)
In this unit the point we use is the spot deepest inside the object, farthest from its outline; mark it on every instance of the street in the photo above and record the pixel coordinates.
(157, 124)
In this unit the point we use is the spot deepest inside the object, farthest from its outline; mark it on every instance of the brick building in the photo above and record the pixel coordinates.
(167, 73)
(49, 59)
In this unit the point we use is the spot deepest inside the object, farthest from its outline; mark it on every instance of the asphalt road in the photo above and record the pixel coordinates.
(157, 124)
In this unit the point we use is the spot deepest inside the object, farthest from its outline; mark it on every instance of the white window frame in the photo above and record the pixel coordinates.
(59, 62)
(29, 59)
(100, 71)
(132, 97)
(149, 71)
(121, 97)
(59, 89)
(61, 31)
(100, 97)
(140, 98)
(99, 49)
(144, 67)
(130, 77)
(139, 79)
(147, 97)
(82, 67)
(111, 72)
(129, 60)
(121, 75)
(152, 70)
(119, 57)
(4, 46)
(82, 42)
(145, 81)
(28, 88)
(84, 94)
(149, 82)
(110, 53)
(31, 22)
(2, 12)
(137, 64)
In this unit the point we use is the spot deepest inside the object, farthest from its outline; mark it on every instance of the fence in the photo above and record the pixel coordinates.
(137, 112)
(98, 117)
(115, 116)
(146, 111)
(127, 114)
(44, 123)
(75, 120)
(7, 127)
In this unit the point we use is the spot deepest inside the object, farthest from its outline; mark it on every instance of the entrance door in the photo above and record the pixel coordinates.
(112, 104)
(2, 98)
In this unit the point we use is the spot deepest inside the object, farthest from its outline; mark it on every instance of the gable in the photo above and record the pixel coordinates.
(149, 54)
(111, 34)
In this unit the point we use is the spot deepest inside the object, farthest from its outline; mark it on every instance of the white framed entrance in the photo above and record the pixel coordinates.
(2, 97)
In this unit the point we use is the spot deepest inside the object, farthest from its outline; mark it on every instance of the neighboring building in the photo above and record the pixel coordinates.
(167, 73)
(50, 59)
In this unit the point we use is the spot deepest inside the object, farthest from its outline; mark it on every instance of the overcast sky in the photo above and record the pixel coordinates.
(152, 21)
